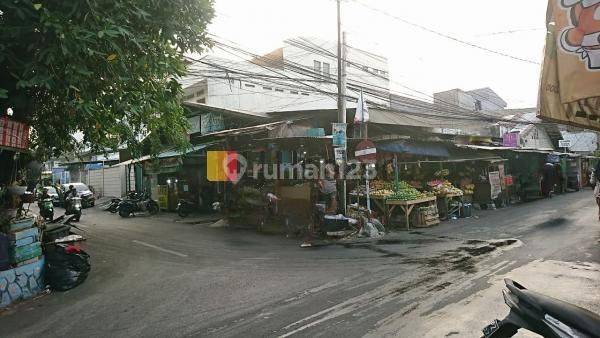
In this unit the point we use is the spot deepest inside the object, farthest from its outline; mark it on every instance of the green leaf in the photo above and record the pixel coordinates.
(37, 6)
(100, 34)
(3, 93)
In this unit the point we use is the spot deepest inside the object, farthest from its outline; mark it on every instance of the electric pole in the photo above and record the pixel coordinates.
(341, 83)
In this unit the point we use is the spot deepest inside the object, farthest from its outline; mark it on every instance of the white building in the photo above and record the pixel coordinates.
(301, 75)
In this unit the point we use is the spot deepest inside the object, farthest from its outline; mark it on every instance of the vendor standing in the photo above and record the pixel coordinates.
(328, 188)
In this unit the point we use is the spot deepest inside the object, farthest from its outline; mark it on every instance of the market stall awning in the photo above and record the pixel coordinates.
(168, 154)
(415, 148)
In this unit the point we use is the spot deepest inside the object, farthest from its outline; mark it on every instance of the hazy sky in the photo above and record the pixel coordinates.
(418, 59)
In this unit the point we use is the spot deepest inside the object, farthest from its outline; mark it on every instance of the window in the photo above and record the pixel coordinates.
(318, 66)
(326, 69)
(267, 88)
(477, 105)
(249, 85)
(294, 92)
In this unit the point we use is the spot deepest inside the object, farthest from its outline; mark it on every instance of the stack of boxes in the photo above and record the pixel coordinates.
(24, 279)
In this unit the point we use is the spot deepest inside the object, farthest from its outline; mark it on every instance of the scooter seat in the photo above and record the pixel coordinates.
(569, 314)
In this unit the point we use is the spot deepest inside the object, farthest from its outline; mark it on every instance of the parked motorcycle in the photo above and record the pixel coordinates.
(184, 208)
(46, 207)
(73, 206)
(129, 206)
(543, 315)
(113, 205)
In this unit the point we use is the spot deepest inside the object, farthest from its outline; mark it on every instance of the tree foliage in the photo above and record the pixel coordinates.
(105, 68)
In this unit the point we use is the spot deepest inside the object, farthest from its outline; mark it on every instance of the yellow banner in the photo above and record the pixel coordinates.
(570, 80)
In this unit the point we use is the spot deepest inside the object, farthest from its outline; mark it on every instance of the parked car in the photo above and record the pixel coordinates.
(87, 196)
(53, 194)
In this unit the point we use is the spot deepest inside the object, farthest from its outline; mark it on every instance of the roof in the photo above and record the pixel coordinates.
(247, 130)
(436, 149)
(232, 112)
(168, 154)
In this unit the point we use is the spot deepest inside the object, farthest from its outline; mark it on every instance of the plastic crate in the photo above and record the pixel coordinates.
(21, 224)
(23, 253)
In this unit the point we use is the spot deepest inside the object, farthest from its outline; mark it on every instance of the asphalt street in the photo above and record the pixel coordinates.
(152, 276)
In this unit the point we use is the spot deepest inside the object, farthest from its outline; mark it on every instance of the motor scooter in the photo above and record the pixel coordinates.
(546, 316)
(73, 206)
(46, 207)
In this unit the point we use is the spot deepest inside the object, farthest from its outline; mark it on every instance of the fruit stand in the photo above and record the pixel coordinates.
(407, 207)
(449, 198)
(407, 197)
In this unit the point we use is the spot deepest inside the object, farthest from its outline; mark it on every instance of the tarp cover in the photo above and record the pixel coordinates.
(415, 148)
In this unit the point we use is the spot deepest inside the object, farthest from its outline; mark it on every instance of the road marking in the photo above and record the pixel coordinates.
(160, 249)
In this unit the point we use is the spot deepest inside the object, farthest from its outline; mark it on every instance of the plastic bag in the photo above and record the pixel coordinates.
(66, 267)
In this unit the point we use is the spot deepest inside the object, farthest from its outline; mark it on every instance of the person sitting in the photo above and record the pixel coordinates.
(72, 192)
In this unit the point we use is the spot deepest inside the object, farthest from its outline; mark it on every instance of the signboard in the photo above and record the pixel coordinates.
(510, 140)
(496, 184)
(570, 83)
(509, 181)
(366, 152)
(564, 143)
(195, 125)
(211, 122)
(339, 135)
(14, 134)
(340, 155)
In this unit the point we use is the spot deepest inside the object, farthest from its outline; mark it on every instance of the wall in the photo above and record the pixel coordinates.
(535, 138)
(20, 283)
(240, 90)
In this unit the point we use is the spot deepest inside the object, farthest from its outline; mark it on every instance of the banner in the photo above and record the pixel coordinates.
(495, 184)
(14, 134)
(339, 135)
(570, 80)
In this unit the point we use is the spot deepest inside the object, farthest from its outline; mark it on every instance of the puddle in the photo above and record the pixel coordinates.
(553, 223)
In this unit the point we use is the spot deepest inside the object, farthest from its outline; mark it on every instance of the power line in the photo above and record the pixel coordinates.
(444, 35)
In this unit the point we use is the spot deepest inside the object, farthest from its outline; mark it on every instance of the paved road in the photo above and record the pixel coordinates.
(155, 277)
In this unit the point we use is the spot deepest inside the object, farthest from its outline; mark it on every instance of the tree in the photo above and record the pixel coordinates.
(105, 68)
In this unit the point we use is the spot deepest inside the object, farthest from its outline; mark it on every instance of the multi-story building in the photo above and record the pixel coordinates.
(300, 76)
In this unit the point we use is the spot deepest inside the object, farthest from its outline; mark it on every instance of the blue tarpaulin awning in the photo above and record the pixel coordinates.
(415, 148)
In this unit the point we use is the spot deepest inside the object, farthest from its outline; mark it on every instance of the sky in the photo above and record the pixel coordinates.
(420, 62)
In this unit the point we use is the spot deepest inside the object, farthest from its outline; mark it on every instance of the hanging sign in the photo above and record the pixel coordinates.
(495, 183)
(339, 135)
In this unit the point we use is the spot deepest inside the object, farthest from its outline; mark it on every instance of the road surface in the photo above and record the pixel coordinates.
(152, 276)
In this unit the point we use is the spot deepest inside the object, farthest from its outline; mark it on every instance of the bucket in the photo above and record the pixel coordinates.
(467, 210)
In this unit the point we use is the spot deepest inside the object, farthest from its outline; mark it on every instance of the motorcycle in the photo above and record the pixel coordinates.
(73, 206)
(543, 315)
(113, 205)
(46, 207)
(184, 208)
(129, 206)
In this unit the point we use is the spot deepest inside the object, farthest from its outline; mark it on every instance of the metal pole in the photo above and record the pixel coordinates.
(103, 179)
(341, 92)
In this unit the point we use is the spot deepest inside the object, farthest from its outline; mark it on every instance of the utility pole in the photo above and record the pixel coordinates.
(341, 83)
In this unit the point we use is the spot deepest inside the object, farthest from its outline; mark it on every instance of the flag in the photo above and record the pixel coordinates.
(362, 110)
(570, 81)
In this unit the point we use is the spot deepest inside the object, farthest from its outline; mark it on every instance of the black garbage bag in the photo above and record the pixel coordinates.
(66, 266)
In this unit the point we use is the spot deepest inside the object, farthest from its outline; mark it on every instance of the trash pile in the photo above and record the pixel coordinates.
(37, 254)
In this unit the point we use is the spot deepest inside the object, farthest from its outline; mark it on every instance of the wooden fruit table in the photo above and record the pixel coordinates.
(406, 206)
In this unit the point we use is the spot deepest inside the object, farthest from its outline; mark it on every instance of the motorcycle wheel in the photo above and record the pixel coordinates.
(153, 208)
(182, 213)
(124, 213)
